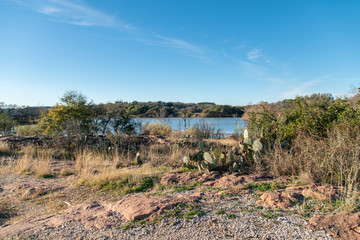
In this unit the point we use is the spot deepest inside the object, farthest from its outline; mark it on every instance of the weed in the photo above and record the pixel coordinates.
(268, 214)
(128, 226)
(220, 211)
(192, 212)
(231, 216)
(182, 188)
(146, 184)
(267, 186)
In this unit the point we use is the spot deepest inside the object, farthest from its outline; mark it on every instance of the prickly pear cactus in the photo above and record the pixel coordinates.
(217, 153)
(257, 146)
(247, 140)
(201, 146)
(138, 159)
(212, 162)
(186, 160)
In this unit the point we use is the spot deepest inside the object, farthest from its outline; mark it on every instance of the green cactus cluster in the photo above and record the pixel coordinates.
(214, 159)
(251, 149)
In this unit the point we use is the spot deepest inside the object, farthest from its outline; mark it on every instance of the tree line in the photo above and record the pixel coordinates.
(75, 114)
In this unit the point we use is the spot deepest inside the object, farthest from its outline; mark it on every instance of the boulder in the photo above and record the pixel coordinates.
(280, 199)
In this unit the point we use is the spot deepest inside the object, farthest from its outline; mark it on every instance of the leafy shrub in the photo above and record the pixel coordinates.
(7, 124)
(314, 118)
(28, 130)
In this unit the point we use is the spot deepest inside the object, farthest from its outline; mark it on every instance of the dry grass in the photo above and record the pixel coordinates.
(229, 142)
(334, 160)
(158, 128)
(30, 160)
(94, 167)
(7, 211)
(5, 149)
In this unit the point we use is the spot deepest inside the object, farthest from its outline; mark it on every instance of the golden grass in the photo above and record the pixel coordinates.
(32, 160)
(157, 128)
(93, 167)
(334, 160)
(5, 149)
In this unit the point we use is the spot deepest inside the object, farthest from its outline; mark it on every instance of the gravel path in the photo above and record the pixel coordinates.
(227, 218)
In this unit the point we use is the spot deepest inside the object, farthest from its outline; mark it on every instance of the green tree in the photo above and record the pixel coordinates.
(7, 124)
(113, 118)
(73, 116)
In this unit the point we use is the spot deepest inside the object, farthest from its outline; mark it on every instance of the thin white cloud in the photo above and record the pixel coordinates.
(254, 54)
(251, 69)
(304, 88)
(71, 13)
(77, 13)
(274, 80)
(179, 44)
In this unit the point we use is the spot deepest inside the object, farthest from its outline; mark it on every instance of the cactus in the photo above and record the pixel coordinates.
(138, 159)
(211, 161)
(247, 140)
(201, 146)
(186, 160)
(251, 149)
(257, 146)
(219, 159)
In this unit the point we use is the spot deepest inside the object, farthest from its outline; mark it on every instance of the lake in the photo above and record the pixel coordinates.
(226, 125)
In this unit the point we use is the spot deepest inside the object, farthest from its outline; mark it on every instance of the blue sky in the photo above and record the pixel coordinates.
(229, 52)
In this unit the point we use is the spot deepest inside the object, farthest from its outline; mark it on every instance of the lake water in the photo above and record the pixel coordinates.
(226, 125)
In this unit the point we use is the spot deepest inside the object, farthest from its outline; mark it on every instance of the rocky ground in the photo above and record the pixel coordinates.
(189, 205)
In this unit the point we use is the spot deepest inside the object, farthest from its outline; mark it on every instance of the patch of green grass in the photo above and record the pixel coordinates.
(246, 209)
(47, 175)
(181, 205)
(128, 226)
(268, 214)
(110, 185)
(146, 184)
(307, 207)
(230, 215)
(133, 224)
(220, 211)
(176, 212)
(305, 214)
(183, 188)
(267, 187)
(186, 169)
(192, 212)
(296, 202)
(155, 220)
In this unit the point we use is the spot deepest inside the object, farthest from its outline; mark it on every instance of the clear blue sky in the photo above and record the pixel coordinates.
(228, 52)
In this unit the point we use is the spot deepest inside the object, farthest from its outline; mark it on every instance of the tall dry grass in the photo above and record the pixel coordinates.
(35, 160)
(95, 167)
(5, 149)
(157, 128)
(333, 160)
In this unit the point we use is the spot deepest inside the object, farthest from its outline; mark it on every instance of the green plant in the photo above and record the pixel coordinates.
(267, 215)
(146, 184)
(220, 211)
(183, 188)
(231, 215)
(266, 186)
(128, 226)
(193, 211)
(7, 124)
(213, 159)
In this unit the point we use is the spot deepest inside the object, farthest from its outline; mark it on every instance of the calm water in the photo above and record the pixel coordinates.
(226, 125)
